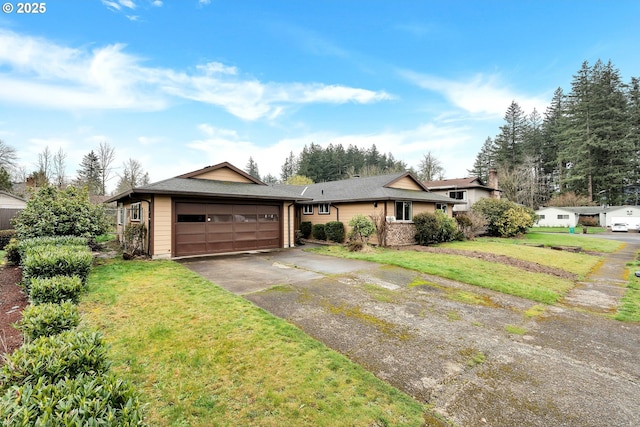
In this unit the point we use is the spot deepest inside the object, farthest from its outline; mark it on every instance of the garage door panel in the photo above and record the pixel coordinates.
(206, 228)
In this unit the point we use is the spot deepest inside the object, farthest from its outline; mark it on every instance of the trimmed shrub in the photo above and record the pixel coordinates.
(50, 261)
(435, 228)
(334, 231)
(318, 232)
(361, 228)
(305, 229)
(5, 237)
(47, 319)
(56, 289)
(84, 400)
(50, 359)
(12, 252)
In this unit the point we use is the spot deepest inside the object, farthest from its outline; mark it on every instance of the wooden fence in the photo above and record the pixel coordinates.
(5, 217)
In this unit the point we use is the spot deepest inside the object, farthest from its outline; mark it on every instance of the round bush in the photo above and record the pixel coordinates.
(55, 289)
(434, 228)
(305, 229)
(50, 359)
(319, 232)
(47, 319)
(361, 228)
(83, 400)
(334, 231)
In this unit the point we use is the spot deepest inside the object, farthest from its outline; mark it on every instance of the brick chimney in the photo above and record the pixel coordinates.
(493, 183)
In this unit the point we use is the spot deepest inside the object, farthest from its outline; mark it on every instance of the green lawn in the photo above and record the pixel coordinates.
(577, 263)
(537, 287)
(577, 230)
(629, 309)
(586, 243)
(202, 356)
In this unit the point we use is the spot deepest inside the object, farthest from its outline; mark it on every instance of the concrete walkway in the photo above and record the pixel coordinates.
(603, 288)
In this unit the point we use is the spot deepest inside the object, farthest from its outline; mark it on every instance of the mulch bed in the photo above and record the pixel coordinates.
(12, 301)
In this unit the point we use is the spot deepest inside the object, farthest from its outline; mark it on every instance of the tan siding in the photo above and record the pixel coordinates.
(288, 225)
(222, 174)
(345, 212)
(406, 183)
(162, 220)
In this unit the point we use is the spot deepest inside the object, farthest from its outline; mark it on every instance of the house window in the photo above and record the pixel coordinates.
(323, 208)
(541, 216)
(136, 212)
(307, 209)
(441, 207)
(563, 216)
(403, 211)
(120, 215)
(458, 195)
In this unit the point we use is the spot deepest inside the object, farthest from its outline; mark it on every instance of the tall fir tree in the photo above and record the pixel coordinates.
(510, 142)
(90, 172)
(484, 161)
(252, 168)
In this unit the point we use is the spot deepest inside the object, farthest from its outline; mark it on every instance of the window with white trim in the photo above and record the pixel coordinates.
(120, 215)
(458, 195)
(136, 212)
(307, 209)
(540, 216)
(563, 216)
(404, 211)
(323, 208)
(441, 207)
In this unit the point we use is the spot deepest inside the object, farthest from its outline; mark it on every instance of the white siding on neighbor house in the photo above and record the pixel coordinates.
(554, 217)
(630, 212)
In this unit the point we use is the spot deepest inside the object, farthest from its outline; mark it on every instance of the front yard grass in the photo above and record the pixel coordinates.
(537, 287)
(586, 243)
(577, 263)
(202, 356)
(566, 230)
(629, 308)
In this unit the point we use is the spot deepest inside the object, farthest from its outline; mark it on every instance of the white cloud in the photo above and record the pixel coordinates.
(448, 144)
(45, 74)
(119, 4)
(481, 95)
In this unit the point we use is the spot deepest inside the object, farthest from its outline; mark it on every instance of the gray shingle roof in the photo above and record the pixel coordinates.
(363, 189)
(349, 190)
(210, 188)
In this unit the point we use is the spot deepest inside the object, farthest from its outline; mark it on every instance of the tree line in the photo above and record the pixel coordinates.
(333, 163)
(585, 149)
(95, 170)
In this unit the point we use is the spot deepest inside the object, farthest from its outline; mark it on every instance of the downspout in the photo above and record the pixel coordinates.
(289, 224)
(337, 212)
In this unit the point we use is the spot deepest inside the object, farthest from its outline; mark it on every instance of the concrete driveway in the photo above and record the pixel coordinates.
(480, 358)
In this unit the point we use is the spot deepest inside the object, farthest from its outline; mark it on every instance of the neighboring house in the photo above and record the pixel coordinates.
(396, 197)
(10, 206)
(466, 190)
(571, 216)
(222, 209)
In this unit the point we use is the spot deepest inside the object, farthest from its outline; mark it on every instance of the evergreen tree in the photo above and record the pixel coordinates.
(484, 161)
(553, 126)
(289, 168)
(509, 143)
(634, 138)
(252, 168)
(5, 180)
(90, 172)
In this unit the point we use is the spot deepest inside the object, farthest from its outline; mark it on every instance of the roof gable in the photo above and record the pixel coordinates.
(222, 172)
(406, 181)
(456, 183)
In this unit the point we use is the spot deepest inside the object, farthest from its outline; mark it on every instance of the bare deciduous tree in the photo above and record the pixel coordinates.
(106, 156)
(133, 176)
(430, 168)
(8, 156)
(59, 168)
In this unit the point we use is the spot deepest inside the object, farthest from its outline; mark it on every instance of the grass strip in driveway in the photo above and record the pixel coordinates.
(629, 308)
(577, 263)
(537, 287)
(203, 356)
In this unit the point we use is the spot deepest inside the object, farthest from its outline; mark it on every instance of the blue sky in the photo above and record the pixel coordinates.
(179, 85)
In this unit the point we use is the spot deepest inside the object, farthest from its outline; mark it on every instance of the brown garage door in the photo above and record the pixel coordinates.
(208, 228)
